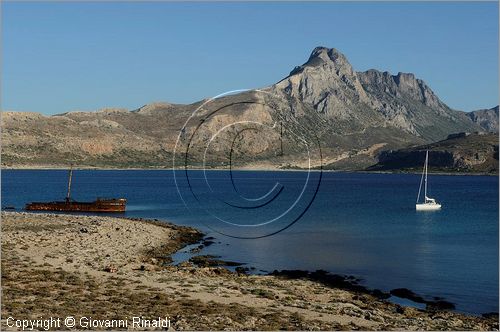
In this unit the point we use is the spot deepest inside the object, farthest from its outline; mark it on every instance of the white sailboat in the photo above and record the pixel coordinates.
(429, 204)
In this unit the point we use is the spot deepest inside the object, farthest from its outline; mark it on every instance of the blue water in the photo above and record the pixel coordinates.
(357, 224)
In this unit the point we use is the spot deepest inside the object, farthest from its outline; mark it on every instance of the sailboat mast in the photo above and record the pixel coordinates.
(426, 165)
(68, 195)
(429, 204)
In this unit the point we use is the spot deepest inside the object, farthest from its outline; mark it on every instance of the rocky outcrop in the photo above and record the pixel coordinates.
(409, 103)
(487, 118)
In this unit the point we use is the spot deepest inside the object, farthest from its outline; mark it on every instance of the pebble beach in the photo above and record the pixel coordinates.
(111, 268)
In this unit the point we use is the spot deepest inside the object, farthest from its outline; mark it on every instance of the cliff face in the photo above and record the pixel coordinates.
(352, 115)
(463, 152)
(487, 118)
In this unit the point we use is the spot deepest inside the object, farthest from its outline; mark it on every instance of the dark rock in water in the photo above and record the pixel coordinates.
(379, 294)
(405, 293)
(204, 261)
(493, 315)
(291, 274)
(197, 249)
(229, 263)
(330, 280)
(439, 305)
(351, 283)
(209, 238)
(211, 261)
(242, 270)
(207, 243)
(436, 305)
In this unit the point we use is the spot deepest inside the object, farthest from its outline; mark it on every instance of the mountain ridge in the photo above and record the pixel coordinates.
(353, 115)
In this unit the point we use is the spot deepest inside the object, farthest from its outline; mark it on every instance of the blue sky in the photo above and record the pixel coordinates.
(59, 57)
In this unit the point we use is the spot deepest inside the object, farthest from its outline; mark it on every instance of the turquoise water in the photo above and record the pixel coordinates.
(357, 224)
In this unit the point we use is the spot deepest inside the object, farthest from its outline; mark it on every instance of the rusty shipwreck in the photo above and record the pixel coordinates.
(69, 205)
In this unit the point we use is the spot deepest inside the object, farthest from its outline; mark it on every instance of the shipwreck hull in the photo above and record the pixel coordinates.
(100, 205)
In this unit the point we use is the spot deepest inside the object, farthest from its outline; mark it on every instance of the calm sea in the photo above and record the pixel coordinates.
(358, 224)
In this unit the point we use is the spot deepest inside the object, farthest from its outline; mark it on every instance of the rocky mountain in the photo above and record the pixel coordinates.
(487, 118)
(463, 152)
(323, 112)
(328, 83)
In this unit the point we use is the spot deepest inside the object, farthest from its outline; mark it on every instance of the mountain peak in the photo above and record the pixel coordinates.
(323, 52)
(324, 56)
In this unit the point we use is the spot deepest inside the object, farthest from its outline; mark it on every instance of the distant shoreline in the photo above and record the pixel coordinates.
(34, 168)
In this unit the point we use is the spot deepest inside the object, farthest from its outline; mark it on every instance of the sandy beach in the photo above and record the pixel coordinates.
(116, 268)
